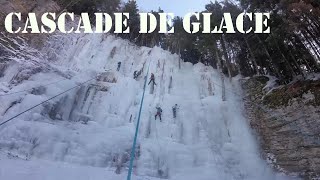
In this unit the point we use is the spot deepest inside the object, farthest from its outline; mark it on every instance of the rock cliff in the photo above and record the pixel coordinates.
(287, 120)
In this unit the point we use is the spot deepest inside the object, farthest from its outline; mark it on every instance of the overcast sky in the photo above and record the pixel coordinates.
(178, 7)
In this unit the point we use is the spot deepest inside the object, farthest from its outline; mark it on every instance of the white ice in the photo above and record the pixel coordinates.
(209, 139)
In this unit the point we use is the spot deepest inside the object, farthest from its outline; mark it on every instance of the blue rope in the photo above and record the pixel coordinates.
(137, 127)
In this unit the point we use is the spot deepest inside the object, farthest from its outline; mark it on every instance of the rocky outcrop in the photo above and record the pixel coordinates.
(24, 74)
(287, 120)
(24, 7)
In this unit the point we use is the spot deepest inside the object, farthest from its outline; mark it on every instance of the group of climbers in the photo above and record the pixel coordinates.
(159, 112)
(158, 108)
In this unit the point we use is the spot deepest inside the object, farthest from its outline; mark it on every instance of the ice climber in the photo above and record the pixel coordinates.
(135, 75)
(159, 112)
(152, 79)
(119, 65)
(174, 110)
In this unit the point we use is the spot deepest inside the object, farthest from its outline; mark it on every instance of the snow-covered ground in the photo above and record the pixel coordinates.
(88, 133)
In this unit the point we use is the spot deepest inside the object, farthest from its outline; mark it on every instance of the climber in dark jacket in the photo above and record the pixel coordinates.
(174, 110)
(119, 65)
(159, 112)
(135, 75)
(152, 79)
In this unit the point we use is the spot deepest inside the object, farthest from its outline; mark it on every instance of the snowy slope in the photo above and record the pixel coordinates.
(88, 133)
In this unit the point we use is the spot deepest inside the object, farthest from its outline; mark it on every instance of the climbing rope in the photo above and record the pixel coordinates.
(137, 127)
(6, 121)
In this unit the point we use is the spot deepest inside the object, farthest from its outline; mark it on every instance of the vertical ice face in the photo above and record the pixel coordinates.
(94, 125)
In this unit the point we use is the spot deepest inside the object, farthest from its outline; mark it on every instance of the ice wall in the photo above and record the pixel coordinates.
(93, 126)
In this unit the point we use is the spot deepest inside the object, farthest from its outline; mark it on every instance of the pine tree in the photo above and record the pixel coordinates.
(131, 7)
